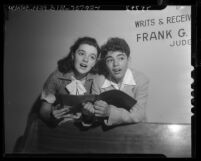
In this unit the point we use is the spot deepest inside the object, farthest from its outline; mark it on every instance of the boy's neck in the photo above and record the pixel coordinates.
(117, 81)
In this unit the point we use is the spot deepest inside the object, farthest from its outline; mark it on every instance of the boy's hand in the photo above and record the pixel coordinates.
(102, 109)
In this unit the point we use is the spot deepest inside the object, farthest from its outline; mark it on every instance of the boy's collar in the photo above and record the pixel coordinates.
(127, 80)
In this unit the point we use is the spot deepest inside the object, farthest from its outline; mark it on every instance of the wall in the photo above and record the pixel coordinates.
(36, 40)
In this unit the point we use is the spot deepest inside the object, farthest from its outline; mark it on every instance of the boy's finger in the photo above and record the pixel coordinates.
(98, 115)
(100, 103)
(97, 107)
(98, 112)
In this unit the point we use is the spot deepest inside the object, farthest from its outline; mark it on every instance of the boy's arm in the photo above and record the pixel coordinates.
(137, 112)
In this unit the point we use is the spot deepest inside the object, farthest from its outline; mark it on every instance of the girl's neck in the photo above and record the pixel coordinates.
(79, 76)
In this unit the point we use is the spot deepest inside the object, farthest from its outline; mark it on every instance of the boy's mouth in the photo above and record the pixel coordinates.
(116, 71)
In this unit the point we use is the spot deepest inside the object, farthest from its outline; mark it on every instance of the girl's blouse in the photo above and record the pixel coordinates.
(58, 83)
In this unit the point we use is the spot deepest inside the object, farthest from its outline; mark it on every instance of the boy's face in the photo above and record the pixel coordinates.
(117, 64)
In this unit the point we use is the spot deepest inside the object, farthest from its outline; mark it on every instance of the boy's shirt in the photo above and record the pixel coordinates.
(127, 80)
(134, 84)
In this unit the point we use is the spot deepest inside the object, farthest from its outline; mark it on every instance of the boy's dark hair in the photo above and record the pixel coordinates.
(115, 44)
(66, 64)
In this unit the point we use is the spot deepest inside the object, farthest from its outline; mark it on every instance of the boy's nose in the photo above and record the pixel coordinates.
(116, 63)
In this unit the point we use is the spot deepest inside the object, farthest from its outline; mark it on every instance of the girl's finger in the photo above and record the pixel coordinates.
(86, 106)
(68, 116)
(56, 107)
(58, 115)
(65, 120)
(77, 115)
(63, 109)
(59, 112)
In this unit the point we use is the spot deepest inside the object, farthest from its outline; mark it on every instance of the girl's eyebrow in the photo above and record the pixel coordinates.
(81, 50)
(93, 54)
(85, 51)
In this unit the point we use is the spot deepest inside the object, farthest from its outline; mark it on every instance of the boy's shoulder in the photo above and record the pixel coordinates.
(139, 76)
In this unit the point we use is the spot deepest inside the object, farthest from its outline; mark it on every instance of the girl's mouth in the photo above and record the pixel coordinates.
(83, 65)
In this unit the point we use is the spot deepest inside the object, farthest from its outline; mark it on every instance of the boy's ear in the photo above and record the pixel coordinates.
(129, 61)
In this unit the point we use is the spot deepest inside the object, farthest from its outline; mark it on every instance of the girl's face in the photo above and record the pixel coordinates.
(85, 58)
(117, 64)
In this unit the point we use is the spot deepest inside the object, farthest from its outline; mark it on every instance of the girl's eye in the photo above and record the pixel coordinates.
(80, 53)
(93, 57)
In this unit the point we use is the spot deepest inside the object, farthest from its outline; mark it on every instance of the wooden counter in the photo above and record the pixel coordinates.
(171, 140)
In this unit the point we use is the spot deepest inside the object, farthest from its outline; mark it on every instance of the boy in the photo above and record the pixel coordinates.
(117, 75)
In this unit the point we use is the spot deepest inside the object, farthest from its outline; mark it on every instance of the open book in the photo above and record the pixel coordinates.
(113, 97)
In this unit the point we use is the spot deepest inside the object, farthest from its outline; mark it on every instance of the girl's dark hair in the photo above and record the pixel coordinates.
(113, 44)
(66, 64)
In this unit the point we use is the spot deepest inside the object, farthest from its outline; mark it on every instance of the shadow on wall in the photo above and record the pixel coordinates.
(20, 142)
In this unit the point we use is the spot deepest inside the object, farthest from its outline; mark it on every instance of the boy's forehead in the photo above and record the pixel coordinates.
(114, 53)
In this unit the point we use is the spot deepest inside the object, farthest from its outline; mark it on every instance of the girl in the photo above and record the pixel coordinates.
(74, 75)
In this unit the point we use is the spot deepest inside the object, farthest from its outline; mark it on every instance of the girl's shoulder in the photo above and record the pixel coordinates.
(59, 75)
(99, 79)
(56, 73)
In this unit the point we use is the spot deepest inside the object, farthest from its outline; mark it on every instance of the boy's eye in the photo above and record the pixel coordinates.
(121, 58)
(109, 60)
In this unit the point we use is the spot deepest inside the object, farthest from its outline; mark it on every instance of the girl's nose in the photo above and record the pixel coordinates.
(86, 59)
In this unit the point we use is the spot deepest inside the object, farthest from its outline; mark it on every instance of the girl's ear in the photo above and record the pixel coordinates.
(99, 57)
(72, 56)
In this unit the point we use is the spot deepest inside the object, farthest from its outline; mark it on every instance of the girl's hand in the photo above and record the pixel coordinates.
(70, 118)
(88, 109)
(58, 113)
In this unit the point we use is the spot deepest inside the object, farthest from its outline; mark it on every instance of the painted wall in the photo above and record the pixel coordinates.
(36, 40)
